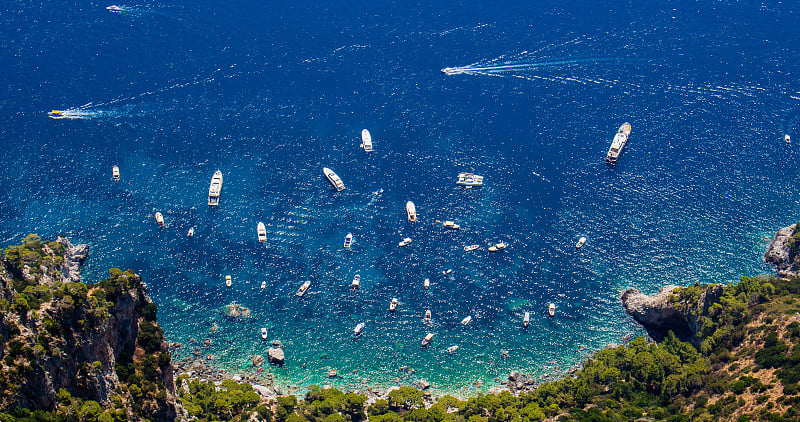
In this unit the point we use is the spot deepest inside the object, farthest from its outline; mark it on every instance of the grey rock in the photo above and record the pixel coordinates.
(779, 253)
(257, 360)
(276, 356)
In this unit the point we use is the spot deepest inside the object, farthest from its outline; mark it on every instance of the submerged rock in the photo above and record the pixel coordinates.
(257, 360)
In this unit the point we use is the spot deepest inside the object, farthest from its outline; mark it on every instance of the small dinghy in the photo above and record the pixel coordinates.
(159, 219)
(452, 349)
(427, 340)
(348, 240)
(190, 233)
(526, 319)
(228, 281)
(359, 328)
(551, 310)
(393, 305)
(405, 242)
(262, 232)
(263, 333)
(466, 320)
(581, 242)
(469, 248)
(263, 285)
(356, 282)
(428, 316)
(498, 247)
(115, 173)
(302, 290)
(427, 283)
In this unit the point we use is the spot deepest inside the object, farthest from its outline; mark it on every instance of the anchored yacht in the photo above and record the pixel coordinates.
(470, 248)
(427, 283)
(405, 242)
(333, 178)
(411, 210)
(262, 232)
(469, 179)
(263, 333)
(190, 233)
(228, 281)
(348, 240)
(366, 141)
(427, 316)
(466, 320)
(159, 219)
(393, 305)
(359, 328)
(452, 349)
(215, 188)
(551, 309)
(356, 282)
(498, 247)
(115, 173)
(581, 242)
(620, 139)
(526, 319)
(427, 340)
(451, 225)
(302, 290)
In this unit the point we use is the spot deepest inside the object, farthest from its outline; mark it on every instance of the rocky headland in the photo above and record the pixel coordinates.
(783, 252)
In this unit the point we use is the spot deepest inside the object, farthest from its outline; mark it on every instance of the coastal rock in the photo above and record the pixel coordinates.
(257, 360)
(779, 253)
(333, 373)
(276, 356)
(74, 256)
(423, 385)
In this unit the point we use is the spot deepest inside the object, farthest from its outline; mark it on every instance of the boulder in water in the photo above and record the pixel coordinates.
(276, 356)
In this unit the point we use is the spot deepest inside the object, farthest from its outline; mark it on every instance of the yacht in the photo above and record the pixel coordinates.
(115, 173)
(190, 233)
(469, 248)
(551, 309)
(451, 225)
(159, 219)
(359, 328)
(405, 242)
(262, 232)
(215, 188)
(263, 285)
(427, 340)
(56, 114)
(469, 179)
(526, 319)
(498, 247)
(366, 141)
(787, 138)
(428, 316)
(581, 242)
(393, 305)
(411, 210)
(333, 178)
(114, 8)
(427, 283)
(466, 320)
(348, 240)
(356, 282)
(620, 139)
(263, 333)
(302, 290)
(452, 349)
(228, 281)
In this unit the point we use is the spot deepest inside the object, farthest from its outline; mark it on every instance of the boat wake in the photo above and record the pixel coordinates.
(74, 113)
(492, 68)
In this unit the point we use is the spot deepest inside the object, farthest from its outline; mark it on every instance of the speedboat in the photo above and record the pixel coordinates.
(366, 141)
(428, 316)
(393, 305)
(302, 290)
(56, 114)
(190, 233)
(378, 192)
(263, 285)
(359, 328)
(405, 242)
(470, 248)
(115, 173)
(333, 178)
(447, 271)
(262, 232)
(427, 283)
(469, 180)
(452, 349)
(228, 280)
(263, 333)
(215, 188)
(348, 240)
(356, 282)
(526, 319)
(787, 138)
(581, 242)
(114, 8)
(411, 210)
(451, 225)
(159, 219)
(498, 247)
(551, 309)
(466, 320)
(427, 340)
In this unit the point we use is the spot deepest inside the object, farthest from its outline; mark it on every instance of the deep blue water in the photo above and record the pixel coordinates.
(270, 93)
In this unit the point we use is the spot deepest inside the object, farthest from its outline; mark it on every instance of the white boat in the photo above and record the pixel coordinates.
(452, 349)
(378, 192)
(262, 232)
(787, 138)
(228, 281)
(581, 242)
(190, 233)
(466, 320)
(526, 319)
(427, 340)
(427, 316)
(263, 285)
(263, 333)
(551, 309)
(366, 141)
(451, 225)
(393, 305)
(302, 290)
(215, 188)
(405, 242)
(333, 178)
(469, 179)
(469, 248)
(56, 114)
(359, 328)
(427, 283)
(447, 271)
(159, 219)
(620, 139)
(115, 173)
(348, 240)
(498, 247)
(411, 210)
(356, 282)
(113, 8)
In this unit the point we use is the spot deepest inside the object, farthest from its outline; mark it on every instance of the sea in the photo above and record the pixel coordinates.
(270, 93)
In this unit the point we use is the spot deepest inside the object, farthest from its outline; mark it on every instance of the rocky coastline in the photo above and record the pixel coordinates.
(781, 254)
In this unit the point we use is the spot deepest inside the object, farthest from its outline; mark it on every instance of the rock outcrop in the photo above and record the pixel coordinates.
(779, 253)
(275, 354)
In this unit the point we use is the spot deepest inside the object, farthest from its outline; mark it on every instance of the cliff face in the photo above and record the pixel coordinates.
(782, 252)
(58, 333)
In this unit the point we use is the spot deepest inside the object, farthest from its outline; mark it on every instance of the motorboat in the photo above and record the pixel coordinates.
(428, 316)
(333, 178)
(263, 333)
(393, 305)
(526, 319)
(498, 247)
(378, 192)
(411, 210)
(618, 143)
(551, 310)
(228, 281)
(427, 283)
(366, 141)
(56, 114)
(302, 290)
(466, 320)
(359, 328)
(348, 240)
(113, 8)
(469, 180)
(190, 233)
(451, 225)
(452, 349)
(581, 242)
(263, 285)
(447, 271)
(159, 219)
(427, 340)
(215, 188)
(787, 138)
(405, 242)
(115, 173)
(469, 248)
(356, 282)
(262, 232)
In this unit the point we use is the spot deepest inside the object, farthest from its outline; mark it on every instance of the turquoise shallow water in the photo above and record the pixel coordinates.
(270, 95)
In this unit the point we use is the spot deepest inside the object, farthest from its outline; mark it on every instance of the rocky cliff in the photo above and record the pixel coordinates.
(64, 343)
(783, 252)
